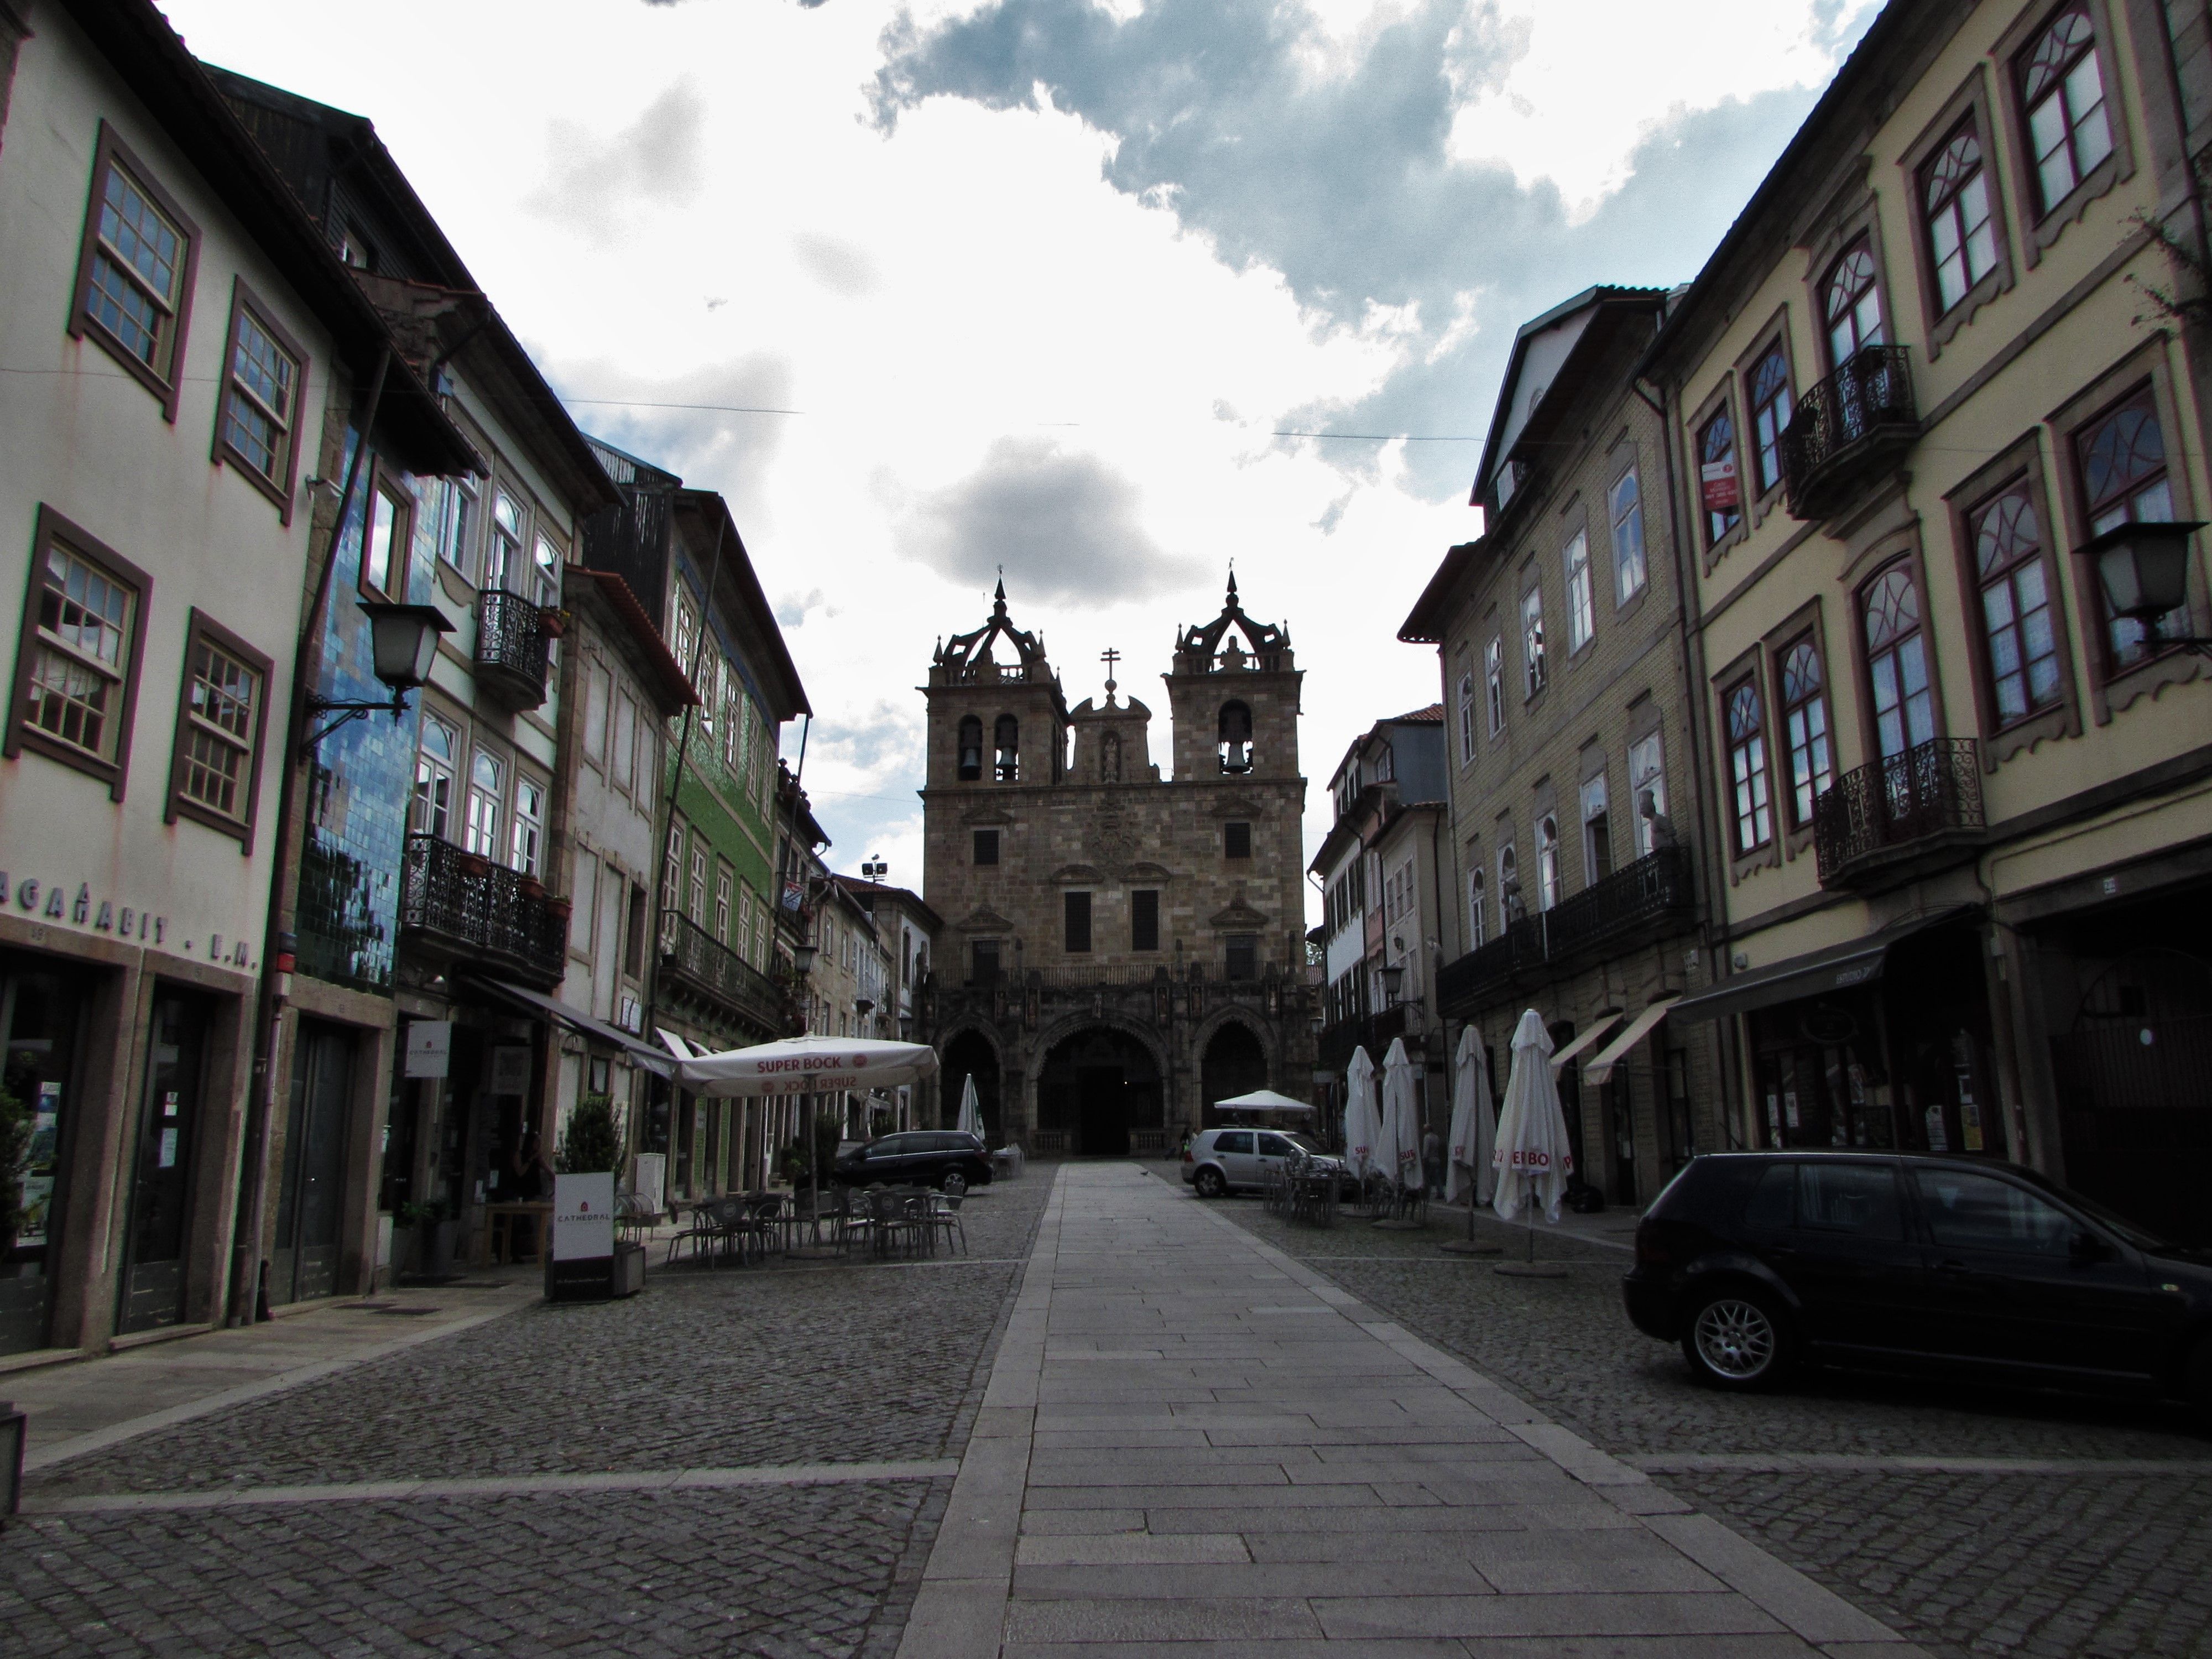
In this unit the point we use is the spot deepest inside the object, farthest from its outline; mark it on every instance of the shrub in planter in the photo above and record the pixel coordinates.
(592, 1143)
(432, 1227)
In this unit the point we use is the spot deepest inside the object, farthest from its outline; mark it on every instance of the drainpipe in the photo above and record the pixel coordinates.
(249, 1288)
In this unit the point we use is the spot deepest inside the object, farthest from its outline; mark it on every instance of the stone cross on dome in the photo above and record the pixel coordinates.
(1109, 656)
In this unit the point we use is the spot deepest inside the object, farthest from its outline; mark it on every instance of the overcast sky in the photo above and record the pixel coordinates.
(1044, 278)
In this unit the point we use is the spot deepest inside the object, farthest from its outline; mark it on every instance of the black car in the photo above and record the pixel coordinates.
(916, 1157)
(1754, 1261)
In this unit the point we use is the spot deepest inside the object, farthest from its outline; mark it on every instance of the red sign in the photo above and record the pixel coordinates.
(1719, 488)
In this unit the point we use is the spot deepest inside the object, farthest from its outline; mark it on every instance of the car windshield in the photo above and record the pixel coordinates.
(2135, 1235)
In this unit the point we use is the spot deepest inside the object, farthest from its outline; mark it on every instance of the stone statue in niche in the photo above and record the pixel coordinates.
(1110, 759)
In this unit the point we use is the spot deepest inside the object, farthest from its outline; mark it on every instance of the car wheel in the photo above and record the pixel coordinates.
(1738, 1339)
(1209, 1184)
(952, 1182)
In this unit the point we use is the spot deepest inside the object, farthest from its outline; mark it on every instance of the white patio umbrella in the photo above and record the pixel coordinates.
(1532, 1157)
(1474, 1128)
(1363, 1124)
(1261, 1100)
(808, 1066)
(1401, 1120)
(971, 1109)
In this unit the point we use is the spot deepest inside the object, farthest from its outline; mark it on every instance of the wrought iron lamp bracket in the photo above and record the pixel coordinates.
(346, 711)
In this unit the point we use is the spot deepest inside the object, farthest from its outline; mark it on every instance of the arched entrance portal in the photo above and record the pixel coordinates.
(970, 1055)
(1095, 1087)
(1233, 1064)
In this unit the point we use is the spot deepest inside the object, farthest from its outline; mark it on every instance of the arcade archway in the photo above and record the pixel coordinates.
(1096, 1087)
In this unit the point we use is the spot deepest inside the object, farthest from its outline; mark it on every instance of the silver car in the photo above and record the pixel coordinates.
(1218, 1162)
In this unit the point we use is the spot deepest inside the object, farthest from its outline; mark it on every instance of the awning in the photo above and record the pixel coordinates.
(1600, 1066)
(1839, 968)
(1598, 1029)
(651, 1059)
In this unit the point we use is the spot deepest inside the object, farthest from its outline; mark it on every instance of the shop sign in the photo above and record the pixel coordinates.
(53, 901)
(431, 1047)
(510, 1071)
(584, 1217)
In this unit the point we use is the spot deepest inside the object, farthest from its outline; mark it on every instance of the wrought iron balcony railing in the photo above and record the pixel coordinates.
(468, 905)
(1880, 820)
(1634, 901)
(1847, 427)
(1372, 1032)
(512, 656)
(695, 958)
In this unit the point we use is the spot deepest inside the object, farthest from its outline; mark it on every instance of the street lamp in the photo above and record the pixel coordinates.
(403, 640)
(2145, 571)
(802, 959)
(1394, 982)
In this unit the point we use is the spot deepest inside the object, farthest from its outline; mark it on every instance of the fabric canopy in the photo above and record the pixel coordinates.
(1597, 1069)
(1363, 1123)
(1402, 1122)
(1838, 968)
(807, 1065)
(584, 1026)
(1261, 1100)
(1533, 1158)
(1474, 1128)
(1596, 1029)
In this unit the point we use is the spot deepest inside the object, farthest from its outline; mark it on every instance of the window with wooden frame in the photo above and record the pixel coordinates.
(1236, 840)
(1803, 691)
(2121, 460)
(1625, 507)
(1466, 714)
(257, 417)
(222, 715)
(1956, 217)
(1754, 814)
(1768, 387)
(1477, 918)
(1902, 699)
(1850, 303)
(1493, 681)
(450, 506)
(527, 854)
(1647, 777)
(2062, 95)
(135, 270)
(1145, 919)
(386, 536)
(487, 799)
(1075, 916)
(436, 760)
(2020, 635)
(504, 568)
(1534, 674)
(1582, 603)
(77, 656)
(1597, 831)
(1720, 497)
(1509, 904)
(1550, 888)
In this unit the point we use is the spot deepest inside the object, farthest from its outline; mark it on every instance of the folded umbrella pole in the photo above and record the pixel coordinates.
(1532, 1158)
(1468, 1173)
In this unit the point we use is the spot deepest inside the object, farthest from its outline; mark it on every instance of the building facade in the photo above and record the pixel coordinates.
(1382, 929)
(172, 485)
(907, 929)
(1962, 832)
(1560, 636)
(1120, 948)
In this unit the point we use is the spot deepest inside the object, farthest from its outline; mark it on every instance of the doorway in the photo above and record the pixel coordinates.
(39, 1003)
(1233, 1064)
(162, 1184)
(971, 1055)
(311, 1205)
(1099, 1092)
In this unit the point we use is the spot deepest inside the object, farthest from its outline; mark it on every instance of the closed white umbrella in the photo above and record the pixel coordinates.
(1531, 1158)
(1473, 1126)
(971, 1109)
(1401, 1120)
(1363, 1124)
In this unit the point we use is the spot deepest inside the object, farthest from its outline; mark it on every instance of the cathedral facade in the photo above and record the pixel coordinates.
(1120, 949)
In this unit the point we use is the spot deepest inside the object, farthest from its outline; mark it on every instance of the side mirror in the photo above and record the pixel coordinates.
(2088, 1246)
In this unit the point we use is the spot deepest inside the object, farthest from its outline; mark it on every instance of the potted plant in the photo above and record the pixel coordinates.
(531, 887)
(473, 864)
(552, 623)
(558, 909)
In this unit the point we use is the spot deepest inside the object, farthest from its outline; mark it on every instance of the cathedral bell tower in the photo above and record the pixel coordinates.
(996, 713)
(1234, 699)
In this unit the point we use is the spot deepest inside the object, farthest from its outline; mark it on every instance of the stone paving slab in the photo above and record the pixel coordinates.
(1348, 1494)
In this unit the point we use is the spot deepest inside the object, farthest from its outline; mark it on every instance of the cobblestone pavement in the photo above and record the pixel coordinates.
(2098, 1562)
(842, 1362)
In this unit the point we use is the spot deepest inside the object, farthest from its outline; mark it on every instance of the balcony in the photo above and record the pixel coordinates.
(1635, 903)
(1900, 817)
(1848, 427)
(466, 906)
(693, 960)
(512, 654)
(1372, 1032)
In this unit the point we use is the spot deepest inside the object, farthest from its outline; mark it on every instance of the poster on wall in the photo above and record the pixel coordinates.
(429, 1048)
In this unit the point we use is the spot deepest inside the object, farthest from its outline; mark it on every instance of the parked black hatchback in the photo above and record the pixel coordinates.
(1756, 1261)
(916, 1157)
